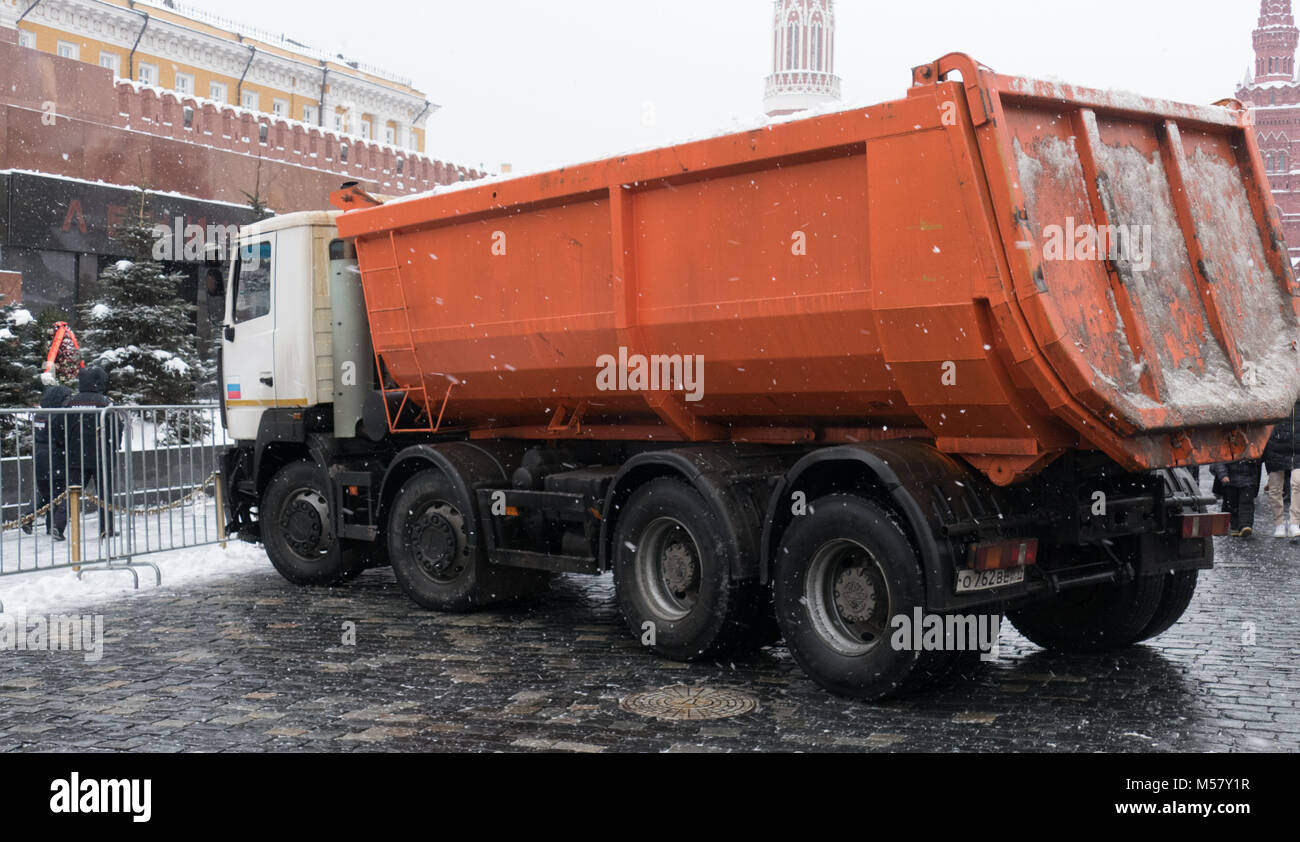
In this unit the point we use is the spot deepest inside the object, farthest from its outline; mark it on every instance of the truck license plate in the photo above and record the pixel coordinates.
(986, 580)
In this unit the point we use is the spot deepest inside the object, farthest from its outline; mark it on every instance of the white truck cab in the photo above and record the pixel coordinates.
(294, 302)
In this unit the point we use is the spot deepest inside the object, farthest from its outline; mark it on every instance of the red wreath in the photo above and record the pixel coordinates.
(63, 362)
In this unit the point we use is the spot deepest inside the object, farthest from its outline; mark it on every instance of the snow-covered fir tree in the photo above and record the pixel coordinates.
(139, 328)
(22, 350)
(21, 355)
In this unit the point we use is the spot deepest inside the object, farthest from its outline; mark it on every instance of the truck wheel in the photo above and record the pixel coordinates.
(1101, 618)
(843, 571)
(428, 545)
(1180, 587)
(298, 528)
(673, 575)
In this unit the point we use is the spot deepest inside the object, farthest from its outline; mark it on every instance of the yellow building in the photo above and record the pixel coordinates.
(195, 53)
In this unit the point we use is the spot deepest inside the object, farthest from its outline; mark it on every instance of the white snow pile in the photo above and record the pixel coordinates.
(116, 355)
(21, 318)
(57, 590)
(100, 312)
(6, 334)
(124, 266)
(172, 364)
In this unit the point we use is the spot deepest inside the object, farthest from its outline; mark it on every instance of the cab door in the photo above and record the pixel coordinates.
(248, 346)
(295, 300)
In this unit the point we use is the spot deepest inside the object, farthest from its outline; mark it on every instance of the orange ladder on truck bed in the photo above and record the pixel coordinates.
(402, 351)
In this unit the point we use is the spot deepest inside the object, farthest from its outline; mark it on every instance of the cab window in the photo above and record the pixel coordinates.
(252, 282)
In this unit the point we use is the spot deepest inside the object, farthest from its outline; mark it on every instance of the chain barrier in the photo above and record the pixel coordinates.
(198, 492)
(29, 519)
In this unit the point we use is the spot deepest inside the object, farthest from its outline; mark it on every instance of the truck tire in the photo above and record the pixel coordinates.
(843, 571)
(1100, 618)
(297, 524)
(1180, 587)
(673, 571)
(437, 567)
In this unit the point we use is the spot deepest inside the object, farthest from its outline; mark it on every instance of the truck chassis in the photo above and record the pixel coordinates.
(717, 548)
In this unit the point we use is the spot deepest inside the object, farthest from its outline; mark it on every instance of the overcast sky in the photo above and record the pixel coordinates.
(541, 83)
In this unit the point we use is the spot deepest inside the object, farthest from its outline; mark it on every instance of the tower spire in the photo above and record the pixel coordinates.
(1276, 39)
(803, 56)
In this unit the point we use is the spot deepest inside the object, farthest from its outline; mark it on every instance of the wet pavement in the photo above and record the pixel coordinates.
(255, 664)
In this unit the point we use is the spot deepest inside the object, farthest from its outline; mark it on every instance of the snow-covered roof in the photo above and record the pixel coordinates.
(273, 38)
(1270, 86)
(162, 193)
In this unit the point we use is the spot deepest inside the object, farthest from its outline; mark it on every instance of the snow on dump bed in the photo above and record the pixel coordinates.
(1201, 387)
(1139, 188)
(1267, 333)
(1059, 160)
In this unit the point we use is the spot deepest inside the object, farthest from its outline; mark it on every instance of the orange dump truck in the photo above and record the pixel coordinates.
(939, 358)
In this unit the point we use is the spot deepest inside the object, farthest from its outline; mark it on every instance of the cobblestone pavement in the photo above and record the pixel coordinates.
(254, 664)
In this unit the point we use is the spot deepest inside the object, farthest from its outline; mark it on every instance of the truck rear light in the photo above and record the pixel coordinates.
(1206, 526)
(1003, 555)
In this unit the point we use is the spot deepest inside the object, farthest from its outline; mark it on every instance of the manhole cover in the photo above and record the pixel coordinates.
(690, 703)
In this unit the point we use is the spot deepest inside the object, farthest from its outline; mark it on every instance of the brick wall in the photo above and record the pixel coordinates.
(69, 118)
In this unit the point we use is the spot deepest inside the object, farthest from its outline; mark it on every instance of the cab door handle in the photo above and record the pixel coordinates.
(267, 381)
(230, 333)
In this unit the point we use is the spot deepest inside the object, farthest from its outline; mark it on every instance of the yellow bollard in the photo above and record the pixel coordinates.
(221, 513)
(74, 522)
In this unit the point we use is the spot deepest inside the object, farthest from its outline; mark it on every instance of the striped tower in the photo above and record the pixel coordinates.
(803, 57)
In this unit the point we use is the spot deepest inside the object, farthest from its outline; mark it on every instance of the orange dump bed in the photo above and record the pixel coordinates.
(1010, 268)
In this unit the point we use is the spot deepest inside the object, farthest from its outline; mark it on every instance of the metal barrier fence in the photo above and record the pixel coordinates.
(96, 489)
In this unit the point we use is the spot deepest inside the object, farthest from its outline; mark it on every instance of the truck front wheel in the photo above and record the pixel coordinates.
(298, 528)
(843, 572)
(431, 555)
(1100, 618)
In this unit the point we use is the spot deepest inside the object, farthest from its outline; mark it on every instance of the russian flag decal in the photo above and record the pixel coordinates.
(233, 392)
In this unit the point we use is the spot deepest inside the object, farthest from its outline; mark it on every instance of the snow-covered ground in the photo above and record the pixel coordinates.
(59, 590)
(174, 533)
(170, 539)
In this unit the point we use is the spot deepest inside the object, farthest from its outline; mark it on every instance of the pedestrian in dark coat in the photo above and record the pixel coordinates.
(1238, 483)
(1283, 465)
(93, 438)
(51, 462)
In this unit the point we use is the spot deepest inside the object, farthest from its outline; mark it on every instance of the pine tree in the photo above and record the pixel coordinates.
(258, 206)
(139, 328)
(22, 350)
(256, 201)
(21, 355)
